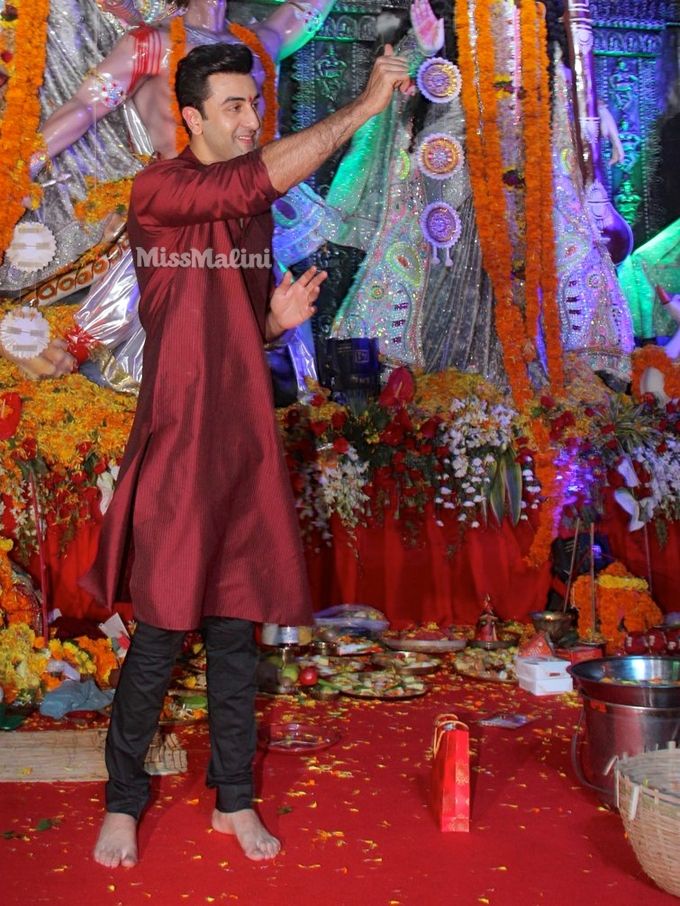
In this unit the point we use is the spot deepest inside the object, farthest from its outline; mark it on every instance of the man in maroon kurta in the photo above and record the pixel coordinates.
(203, 502)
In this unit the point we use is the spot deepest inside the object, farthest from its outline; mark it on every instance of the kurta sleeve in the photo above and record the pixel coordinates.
(178, 193)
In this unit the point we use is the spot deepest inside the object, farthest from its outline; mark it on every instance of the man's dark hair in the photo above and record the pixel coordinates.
(193, 71)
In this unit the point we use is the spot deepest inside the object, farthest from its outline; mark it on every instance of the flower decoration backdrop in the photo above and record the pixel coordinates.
(444, 448)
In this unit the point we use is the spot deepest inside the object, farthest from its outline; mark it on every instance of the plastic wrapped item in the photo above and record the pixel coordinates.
(353, 616)
(75, 696)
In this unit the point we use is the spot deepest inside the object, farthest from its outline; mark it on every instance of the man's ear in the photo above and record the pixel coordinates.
(192, 117)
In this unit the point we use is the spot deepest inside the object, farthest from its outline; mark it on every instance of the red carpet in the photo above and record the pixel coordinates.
(354, 821)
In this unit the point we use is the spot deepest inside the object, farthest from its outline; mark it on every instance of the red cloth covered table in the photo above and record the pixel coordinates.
(439, 575)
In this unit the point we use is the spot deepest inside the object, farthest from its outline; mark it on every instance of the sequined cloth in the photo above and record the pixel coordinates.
(429, 315)
(594, 316)
(423, 313)
(78, 37)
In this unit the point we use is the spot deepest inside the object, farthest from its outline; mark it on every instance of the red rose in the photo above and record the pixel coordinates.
(429, 428)
(307, 449)
(341, 445)
(338, 420)
(318, 428)
(382, 477)
(404, 419)
(393, 435)
(90, 494)
(292, 418)
(30, 447)
(547, 402)
(10, 413)
(8, 521)
(298, 482)
(615, 479)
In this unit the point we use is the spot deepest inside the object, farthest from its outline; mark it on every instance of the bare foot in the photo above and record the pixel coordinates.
(256, 841)
(117, 843)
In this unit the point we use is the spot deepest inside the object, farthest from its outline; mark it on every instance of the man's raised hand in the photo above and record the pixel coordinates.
(389, 73)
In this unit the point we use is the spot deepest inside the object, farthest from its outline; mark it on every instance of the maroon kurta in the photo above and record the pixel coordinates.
(203, 492)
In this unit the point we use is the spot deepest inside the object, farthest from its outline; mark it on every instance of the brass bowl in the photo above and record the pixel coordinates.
(554, 623)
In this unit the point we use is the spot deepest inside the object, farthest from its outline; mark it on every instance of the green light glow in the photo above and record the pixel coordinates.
(657, 262)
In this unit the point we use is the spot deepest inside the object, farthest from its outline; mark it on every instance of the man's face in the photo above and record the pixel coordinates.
(230, 123)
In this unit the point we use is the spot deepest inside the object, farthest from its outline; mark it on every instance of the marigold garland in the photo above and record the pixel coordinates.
(271, 106)
(20, 137)
(531, 108)
(91, 657)
(14, 602)
(25, 656)
(622, 602)
(652, 356)
(23, 660)
(178, 49)
(549, 281)
(485, 160)
(541, 275)
(104, 198)
(249, 38)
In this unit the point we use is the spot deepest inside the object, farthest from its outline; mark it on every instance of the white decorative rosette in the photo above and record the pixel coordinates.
(24, 333)
(439, 80)
(32, 248)
(441, 227)
(440, 156)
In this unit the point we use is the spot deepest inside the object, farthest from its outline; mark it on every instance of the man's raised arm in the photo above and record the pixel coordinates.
(292, 159)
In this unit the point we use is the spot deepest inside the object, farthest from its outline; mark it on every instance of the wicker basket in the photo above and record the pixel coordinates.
(648, 797)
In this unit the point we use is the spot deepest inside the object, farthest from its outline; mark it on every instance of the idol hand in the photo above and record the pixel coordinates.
(610, 132)
(428, 29)
(53, 362)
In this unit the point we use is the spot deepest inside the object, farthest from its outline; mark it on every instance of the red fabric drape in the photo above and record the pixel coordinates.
(440, 575)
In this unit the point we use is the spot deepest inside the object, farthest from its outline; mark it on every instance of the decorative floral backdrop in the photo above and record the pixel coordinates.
(448, 444)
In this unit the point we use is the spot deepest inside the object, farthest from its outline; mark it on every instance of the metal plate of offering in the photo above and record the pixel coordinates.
(407, 662)
(651, 682)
